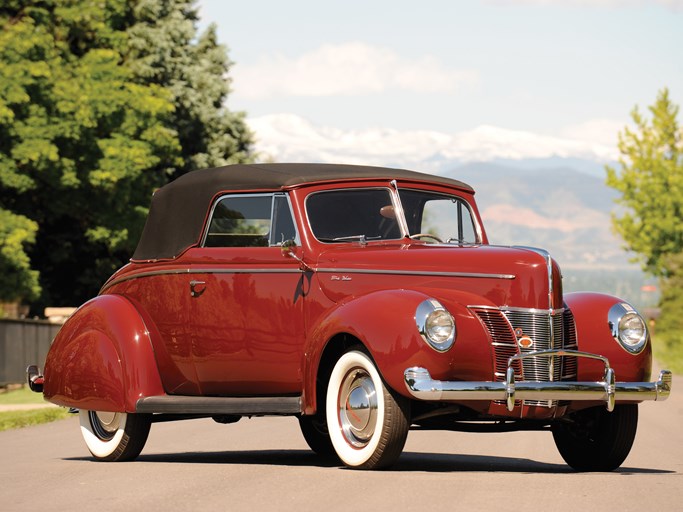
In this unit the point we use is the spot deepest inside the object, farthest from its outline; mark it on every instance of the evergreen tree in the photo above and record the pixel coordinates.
(165, 49)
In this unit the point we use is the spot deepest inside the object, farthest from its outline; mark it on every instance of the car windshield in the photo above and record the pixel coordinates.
(369, 214)
(353, 214)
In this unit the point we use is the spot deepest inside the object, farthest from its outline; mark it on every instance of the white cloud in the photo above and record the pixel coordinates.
(346, 69)
(290, 138)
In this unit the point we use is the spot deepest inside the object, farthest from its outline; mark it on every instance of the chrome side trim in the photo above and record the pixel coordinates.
(414, 273)
(191, 271)
(534, 311)
(248, 406)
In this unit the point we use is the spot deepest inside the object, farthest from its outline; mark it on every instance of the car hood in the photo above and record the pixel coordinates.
(490, 275)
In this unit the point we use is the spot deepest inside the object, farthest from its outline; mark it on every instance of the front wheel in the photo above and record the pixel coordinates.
(114, 436)
(595, 439)
(367, 423)
(314, 430)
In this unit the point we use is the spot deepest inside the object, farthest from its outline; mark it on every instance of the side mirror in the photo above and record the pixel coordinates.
(287, 248)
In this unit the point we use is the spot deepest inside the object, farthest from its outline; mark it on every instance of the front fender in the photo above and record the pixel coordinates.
(593, 335)
(102, 358)
(384, 322)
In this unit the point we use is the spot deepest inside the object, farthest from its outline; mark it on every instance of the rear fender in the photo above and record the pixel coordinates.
(593, 334)
(102, 358)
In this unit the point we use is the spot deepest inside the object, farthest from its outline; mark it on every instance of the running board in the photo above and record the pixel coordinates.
(247, 406)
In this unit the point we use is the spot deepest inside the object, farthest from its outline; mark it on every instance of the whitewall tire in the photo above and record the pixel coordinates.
(367, 423)
(114, 436)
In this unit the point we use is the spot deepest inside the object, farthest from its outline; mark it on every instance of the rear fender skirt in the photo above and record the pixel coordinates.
(102, 358)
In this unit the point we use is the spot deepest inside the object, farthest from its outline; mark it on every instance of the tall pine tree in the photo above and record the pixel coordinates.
(166, 50)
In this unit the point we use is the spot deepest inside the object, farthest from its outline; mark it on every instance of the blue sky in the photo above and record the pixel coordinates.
(566, 69)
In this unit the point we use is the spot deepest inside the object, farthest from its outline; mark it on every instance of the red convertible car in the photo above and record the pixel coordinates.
(363, 301)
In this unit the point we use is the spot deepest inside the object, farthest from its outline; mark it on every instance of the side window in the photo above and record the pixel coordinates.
(250, 221)
(448, 217)
(438, 218)
(283, 223)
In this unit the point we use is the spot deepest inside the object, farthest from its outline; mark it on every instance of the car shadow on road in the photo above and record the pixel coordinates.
(440, 462)
(409, 461)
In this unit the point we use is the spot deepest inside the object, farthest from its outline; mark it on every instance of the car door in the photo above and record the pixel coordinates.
(247, 312)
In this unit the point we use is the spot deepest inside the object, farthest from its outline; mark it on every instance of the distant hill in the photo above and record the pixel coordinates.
(559, 209)
(564, 211)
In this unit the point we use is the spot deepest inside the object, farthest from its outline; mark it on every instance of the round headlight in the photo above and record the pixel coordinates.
(628, 327)
(436, 325)
(632, 330)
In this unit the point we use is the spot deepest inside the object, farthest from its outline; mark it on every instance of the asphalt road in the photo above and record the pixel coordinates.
(264, 464)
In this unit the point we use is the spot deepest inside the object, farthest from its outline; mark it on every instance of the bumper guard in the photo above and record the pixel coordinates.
(421, 385)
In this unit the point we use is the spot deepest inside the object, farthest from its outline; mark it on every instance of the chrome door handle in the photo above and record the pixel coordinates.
(193, 290)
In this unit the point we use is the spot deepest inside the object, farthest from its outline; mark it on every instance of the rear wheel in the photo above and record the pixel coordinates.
(595, 439)
(114, 436)
(367, 423)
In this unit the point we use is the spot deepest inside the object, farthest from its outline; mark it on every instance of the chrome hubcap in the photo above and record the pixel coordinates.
(357, 408)
(105, 424)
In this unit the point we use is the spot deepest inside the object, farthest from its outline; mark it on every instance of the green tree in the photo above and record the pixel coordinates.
(101, 103)
(651, 185)
(77, 138)
(670, 323)
(17, 280)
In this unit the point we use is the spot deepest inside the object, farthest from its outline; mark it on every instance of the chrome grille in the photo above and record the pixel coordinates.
(569, 368)
(548, 330)
(502, 339)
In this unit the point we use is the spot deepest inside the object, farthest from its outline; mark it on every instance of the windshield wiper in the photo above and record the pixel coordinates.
(361, 238)
(459, 241)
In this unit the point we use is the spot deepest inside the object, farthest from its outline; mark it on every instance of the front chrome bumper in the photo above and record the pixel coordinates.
(421, 386)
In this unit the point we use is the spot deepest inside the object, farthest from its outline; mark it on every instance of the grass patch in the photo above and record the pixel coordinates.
(669, 355)
(19, 419)
(21, 396)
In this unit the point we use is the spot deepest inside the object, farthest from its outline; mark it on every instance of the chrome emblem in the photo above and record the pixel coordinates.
(342, 278)
(523, 340)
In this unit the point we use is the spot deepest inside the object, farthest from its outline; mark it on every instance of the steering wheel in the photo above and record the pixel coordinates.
(418, 236)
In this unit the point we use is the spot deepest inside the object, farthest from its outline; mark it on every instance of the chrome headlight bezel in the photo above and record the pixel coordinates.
(435, 325)
(628, 328)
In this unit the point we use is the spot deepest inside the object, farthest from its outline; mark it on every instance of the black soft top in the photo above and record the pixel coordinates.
(178, 210)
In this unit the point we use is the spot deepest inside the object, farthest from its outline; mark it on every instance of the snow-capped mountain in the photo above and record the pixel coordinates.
(286, 137)
(531, 189)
